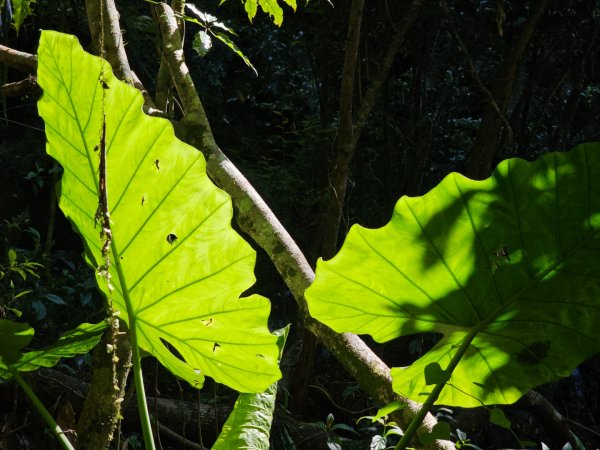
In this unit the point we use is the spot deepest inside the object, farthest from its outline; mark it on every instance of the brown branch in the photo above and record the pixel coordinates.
(28, 86)
(256, 219)
(488, 138)
(179, 439)
(548, 417)
(22, 61)
(331, 210)
(102, 406)
(164, 82)
(172, 52)
(114, 48)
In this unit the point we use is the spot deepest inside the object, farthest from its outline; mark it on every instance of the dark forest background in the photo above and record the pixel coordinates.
(473, 83)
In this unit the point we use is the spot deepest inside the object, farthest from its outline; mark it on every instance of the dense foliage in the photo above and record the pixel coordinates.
(282, 129)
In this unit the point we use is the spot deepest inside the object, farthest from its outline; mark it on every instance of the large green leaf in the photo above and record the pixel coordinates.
(508, 268)
(14, 336)
(249, 424)
(178, 268)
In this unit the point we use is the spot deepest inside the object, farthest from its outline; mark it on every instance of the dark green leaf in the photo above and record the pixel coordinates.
(14, 336)
(497, 417)
(202, 43)
(388, 409)
(440, 430)
(435, 375)
(229, 43)
(55, 299)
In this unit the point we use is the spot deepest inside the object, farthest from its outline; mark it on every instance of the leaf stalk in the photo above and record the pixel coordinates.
(37, 403)
(435, 393)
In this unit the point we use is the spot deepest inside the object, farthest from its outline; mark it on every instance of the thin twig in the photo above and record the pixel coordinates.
(473, 71)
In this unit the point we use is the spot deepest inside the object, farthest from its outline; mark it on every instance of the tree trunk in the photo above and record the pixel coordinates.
(258, 221)
(489, 134)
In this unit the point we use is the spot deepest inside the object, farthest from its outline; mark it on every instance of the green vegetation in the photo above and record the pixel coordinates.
(475, 293)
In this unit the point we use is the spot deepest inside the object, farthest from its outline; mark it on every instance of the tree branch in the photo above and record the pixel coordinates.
(256, 219)
(25, 62)
(28, 86)
(114, 49)
(330, 213)
(488, 136)
(462, 48)
(375, 86)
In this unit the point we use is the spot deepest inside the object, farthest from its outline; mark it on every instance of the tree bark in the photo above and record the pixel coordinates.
(489, 134)
(258, 221)
(108, 32)
(22, 61)
(338, 178)
(102, 407)
(348, 133)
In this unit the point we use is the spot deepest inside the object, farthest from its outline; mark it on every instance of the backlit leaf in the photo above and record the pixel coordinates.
(14, 336)
(178, 268)
(507, 269)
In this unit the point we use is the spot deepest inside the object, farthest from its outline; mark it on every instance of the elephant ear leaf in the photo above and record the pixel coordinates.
(177, 268)
(14, 336)
(507, 270)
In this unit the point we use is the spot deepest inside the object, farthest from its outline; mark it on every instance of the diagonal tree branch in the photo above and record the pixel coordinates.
(114, 48)
(20, 88)
(22, 61)
(256, 219)
(489, 134)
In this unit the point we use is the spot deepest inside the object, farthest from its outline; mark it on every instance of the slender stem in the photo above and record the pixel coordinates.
(435, 393)
(137, 363)
(139, 390)
(37, 403)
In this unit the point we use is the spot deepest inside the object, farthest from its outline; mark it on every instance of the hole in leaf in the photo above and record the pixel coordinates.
(217, 345)
(207, 323)
(143, 199)
(157, 164)
(172, 350)
(260, 356)
(171, 238)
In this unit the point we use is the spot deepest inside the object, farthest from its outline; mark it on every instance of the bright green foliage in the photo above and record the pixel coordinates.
(249, 424)
(21, 10)
(270, 7)
(213, 27)
(202, 43)
(14, 336)
(178, 268)
(508, 266)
